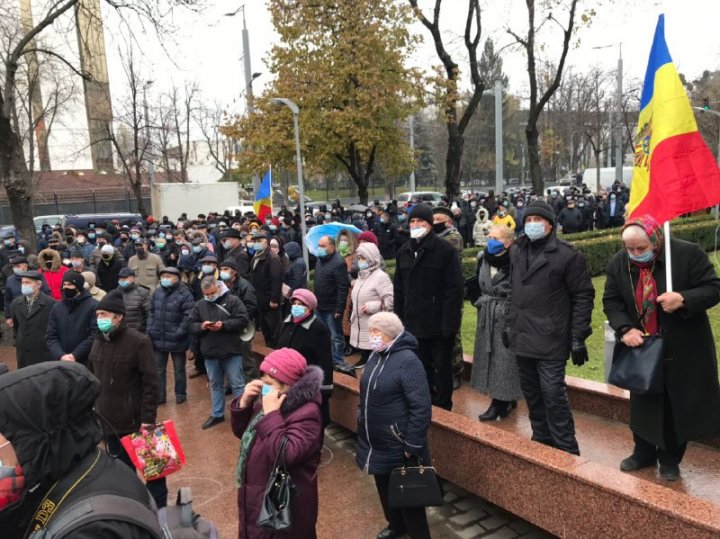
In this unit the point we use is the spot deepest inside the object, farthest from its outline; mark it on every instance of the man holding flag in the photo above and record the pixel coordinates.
(664, 286)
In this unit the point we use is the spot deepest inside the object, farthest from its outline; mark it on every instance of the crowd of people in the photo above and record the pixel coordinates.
(119, 301)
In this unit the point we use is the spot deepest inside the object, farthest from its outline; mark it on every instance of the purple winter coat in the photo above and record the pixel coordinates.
(300, 421)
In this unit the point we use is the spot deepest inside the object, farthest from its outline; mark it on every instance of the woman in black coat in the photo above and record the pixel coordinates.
(304, 332)
(636, 303)
(394, 417)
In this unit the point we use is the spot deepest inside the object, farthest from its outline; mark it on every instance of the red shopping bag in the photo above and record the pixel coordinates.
(155, 451)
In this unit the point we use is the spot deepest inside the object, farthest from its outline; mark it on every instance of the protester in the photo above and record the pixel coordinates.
(331, 290)
(136, 298)
(428, 296)
(550, 311)
(266, 276)
(146, 265)
(443, 226)
(394, 418)
(234, 249)
(295, 275)
(29, 315)
(495, 371)
(216, 322)
(306, 333)
(96, 293)
(13, 285)
(637, 304)
(168, 327)
(281, 411)
(372, 293)
(502, 217)
(49, 435)
(72, 325)
(108, 268)
(122, 360)
(51, 267)
(481, 229)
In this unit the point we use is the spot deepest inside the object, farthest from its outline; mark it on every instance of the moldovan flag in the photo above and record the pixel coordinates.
(263, 197)
(674, 171)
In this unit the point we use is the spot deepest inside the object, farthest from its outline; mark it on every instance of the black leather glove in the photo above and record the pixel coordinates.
(579, 353)
(505, 335)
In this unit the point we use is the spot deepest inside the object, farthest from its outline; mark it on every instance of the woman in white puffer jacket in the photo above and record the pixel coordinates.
(372, 293)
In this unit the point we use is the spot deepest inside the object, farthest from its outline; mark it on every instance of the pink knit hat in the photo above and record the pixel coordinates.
(307, 297)
(285, 365)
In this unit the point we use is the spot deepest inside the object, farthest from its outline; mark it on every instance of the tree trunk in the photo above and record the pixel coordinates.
(453, 161)
(362, 191)
(597, 171)
(533, 149)
(137, 191)
(17, 180)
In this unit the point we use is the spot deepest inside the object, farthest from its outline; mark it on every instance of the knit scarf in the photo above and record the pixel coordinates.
(246, 443)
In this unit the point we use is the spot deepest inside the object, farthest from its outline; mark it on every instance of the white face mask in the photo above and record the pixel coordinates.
(417, 232)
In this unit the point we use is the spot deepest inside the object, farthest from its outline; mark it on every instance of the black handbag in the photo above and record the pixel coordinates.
(414, 486)
(639, 369)
(275, 513)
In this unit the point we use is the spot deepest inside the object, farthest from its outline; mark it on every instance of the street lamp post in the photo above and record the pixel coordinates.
(298, 157)
(151, 163)
(498, 91)
(619, 155)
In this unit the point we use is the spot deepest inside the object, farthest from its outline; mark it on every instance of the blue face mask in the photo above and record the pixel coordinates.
(535, 231)
(27, 289)
(197, 248)
(258, 247)
(208, 269)
(123, 284)
(297, 311)
(17, 271)
(266, 389)
(495, 246)
(363, 264)
(401, 217)
(272, 227)
(644, 258)
(166, 283)
(104, 324)
(251, 250)
(212, 299)
(321, 252)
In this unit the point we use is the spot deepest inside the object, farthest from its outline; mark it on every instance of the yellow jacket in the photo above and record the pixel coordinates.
(507, 220)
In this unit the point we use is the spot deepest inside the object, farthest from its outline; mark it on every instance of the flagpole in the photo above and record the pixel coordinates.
(271, 194)
(668, 258)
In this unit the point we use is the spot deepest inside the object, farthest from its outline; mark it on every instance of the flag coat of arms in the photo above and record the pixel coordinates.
(674, 171)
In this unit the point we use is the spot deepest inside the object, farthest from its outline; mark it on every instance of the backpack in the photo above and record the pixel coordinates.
(181, 522)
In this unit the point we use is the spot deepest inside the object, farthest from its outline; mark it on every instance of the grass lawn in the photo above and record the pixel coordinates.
(595, 368)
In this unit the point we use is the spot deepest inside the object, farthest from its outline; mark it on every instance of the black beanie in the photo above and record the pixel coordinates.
(421, 211)
(113, 303)
(72, 276)
(541, 209)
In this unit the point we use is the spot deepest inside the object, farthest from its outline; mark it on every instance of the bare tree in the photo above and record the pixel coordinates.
(456, 118)
(15, 175)
(176, 112)
(530, 43)
(220, 148)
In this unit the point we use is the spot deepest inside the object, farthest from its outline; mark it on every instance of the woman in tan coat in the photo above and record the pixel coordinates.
(372, 293)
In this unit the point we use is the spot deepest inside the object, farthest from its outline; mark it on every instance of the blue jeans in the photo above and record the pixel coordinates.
(336, 334)
(217, 370)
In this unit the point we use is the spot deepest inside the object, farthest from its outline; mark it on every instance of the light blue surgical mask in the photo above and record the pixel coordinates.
(298, 311)
(104, 324)
(160, 244)
(272, 227)
(267, 389)
(17, 271)
(259, 247)
(363, 264)
(212, 299)
(27, 289)
(225, 275)
(535, 231)
(644, 258)
(124, 284)
(495, 246)
(165, 282)
(401, 217)
(197, 248)
(322, 252)
(227, 245)
(208, 269)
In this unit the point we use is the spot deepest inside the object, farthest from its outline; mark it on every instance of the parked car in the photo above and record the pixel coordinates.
(244, 207)
(83, 220)
(431, 197)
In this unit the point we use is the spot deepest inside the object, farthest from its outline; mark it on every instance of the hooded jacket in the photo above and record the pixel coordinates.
(72, 326)
(123, 362)
(300, 421)
(296, 273)
(395, 408)
(46, 413)
(373, 290)
(53, 274)
(482, 225)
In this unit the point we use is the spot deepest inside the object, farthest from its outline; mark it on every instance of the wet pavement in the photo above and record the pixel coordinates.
(348, 504)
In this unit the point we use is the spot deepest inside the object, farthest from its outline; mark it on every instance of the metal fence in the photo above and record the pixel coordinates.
(77, 202)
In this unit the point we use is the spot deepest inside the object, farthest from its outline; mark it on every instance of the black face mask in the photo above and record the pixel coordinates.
(48, 264)
(439, 227)
(100, 244)
(69, 293)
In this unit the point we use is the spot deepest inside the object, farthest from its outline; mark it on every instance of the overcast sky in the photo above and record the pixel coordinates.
(208, 49)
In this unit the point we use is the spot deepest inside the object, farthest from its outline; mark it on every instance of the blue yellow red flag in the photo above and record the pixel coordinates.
(674, 171)
(263, 197)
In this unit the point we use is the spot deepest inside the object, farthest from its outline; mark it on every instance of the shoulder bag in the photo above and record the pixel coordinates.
(414, 486)
(275, 513)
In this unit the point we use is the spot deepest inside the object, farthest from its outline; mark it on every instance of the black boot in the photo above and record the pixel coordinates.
(506, 407)
(492, 413)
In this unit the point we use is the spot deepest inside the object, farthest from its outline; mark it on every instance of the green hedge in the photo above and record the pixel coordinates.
(599, 249)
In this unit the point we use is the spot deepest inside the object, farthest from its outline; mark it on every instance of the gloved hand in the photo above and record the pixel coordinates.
(579, 353)
(505, 335)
